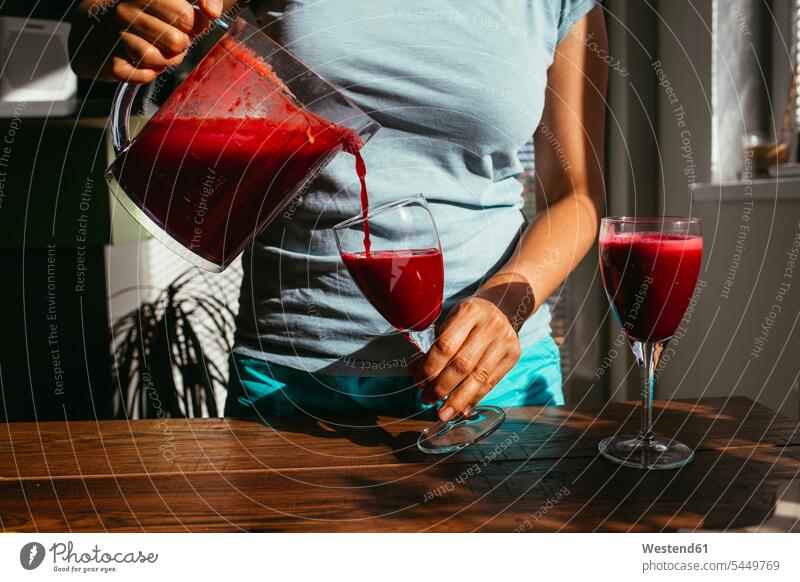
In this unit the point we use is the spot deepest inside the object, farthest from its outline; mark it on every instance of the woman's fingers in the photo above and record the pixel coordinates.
(124, 71)
(144, 55)
(167, 26)
(169, 40)
(447, 345)
(211, 8)
(483, 378)
(460, 365)
(177, 13)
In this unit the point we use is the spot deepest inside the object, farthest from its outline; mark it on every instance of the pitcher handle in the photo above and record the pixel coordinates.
(120, 116)
(119, 119)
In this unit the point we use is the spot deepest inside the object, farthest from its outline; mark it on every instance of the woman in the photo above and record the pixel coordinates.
(458, 90)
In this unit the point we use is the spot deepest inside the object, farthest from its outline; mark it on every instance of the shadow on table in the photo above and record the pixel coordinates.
(368, 431)
(552, 478)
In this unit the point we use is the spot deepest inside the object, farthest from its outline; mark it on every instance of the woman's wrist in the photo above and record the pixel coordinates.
(512, 294)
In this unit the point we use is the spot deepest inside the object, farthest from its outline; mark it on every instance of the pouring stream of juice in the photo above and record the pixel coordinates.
(361, 170)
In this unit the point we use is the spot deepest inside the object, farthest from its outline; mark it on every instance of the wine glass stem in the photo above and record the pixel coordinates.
(422, 340)
(647, 355)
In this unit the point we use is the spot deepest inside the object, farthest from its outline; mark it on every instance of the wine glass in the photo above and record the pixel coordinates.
(649, 268)
(394, 255)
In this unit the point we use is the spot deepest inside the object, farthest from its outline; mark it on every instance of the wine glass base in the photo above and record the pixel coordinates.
(657, 454)
(454, 435)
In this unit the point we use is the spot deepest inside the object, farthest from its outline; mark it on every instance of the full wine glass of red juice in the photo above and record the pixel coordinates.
(649, 268)
(393, 254)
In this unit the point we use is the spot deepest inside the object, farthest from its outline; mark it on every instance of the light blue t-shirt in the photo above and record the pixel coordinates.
(458, 87)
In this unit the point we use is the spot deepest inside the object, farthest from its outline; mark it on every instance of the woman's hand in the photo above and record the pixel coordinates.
(476, 347)
(134, 40)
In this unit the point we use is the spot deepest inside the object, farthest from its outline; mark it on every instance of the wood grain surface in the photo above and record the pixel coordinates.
(539, 472)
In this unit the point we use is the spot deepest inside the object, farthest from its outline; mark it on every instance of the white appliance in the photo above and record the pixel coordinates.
(35, 76)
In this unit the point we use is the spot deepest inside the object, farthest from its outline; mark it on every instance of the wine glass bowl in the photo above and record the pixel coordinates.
(649, 268)
(402, 273)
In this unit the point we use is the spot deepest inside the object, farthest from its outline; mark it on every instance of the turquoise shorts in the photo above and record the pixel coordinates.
(257, 387)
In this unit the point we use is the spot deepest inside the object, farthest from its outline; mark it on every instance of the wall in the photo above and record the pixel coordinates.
(742, 334)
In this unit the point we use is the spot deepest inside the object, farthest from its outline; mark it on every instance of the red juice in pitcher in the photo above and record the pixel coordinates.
(213, 178)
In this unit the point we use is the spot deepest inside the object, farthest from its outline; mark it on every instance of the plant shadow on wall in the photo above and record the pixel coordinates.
(162, 363)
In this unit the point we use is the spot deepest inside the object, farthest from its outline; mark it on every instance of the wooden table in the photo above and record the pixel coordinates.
(539, 472)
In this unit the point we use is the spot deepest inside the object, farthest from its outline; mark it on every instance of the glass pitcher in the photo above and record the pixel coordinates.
(232, 146)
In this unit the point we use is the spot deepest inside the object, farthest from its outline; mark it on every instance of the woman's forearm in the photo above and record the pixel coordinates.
(550, 248)
(569, 169)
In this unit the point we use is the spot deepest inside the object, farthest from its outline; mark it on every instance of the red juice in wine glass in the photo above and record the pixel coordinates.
(405, 286)
(649, 278)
